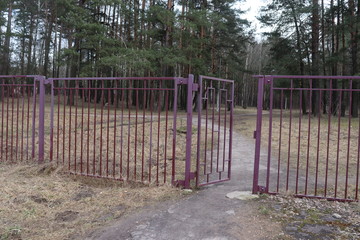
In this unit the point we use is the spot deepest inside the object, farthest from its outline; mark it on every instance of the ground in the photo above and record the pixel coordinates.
(313, 219)
(42, 202)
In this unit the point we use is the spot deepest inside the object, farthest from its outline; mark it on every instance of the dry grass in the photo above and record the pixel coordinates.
(41, 202)
(299, 147)
(44, 202)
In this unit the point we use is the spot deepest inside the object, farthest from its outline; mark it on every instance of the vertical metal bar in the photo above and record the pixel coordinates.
(270, 134)
(7, 126)
(94, 150)
(76, 123)
(260, 98)
(136, 130)
(52, 121)
(349, 138)
(188, 130)
(199, 109)
(212, 128)
(121, 133)
(12, 123)
(88, 131)
(174, 131)
(115, 123)
(2, 118)
(82, 131)
(289, 146)
(231, 128)
(28, 123)
(338, 145)
(328, 142)
(151, 128)
(41, 119)
(143, 135)
(129, 134)
(33, 119)
(58, 127)
(64, 122)
(70, 108)
(318, 147)
(107, 134)
(101, 127)
(208, 99)
(280, 135)
(17, 123)
(225, 125)
(158, 135)
(299, 142)
(218, 132)
(22, 122)
(309, 136)
(166, 132)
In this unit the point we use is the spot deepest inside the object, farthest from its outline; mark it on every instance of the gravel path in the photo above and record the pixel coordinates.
(207, 214)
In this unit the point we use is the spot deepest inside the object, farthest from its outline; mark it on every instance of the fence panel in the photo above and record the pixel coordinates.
(307, 141)
(18, 124)
(119, 128)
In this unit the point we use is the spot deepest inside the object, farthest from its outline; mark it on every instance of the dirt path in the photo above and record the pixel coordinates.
(206, 214)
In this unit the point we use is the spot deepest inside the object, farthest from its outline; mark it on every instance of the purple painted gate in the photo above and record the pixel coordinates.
(122, 128)
(307, 138)
(215, 128)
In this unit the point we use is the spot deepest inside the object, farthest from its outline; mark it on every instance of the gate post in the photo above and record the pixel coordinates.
(41, 80)
(189, 130)
(257, 134)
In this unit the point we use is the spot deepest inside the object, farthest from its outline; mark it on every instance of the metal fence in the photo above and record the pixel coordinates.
(307, 136)
(18, 109)
(122, 128)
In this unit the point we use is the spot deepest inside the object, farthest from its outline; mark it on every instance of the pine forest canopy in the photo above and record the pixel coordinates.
(63, 38)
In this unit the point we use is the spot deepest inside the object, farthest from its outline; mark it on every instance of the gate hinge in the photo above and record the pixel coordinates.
(192, 175)
(195, 87)
(254, 134)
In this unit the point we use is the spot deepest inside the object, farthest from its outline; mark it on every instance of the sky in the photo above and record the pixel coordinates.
(253, 7)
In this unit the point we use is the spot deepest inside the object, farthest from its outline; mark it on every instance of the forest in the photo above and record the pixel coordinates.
(105, 38)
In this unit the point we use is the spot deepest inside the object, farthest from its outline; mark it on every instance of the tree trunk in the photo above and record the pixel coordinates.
(5, 62)
(315, 54)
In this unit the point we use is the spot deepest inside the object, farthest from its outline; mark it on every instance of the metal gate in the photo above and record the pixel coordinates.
(122, 128)
(307, 136)
(215, 108)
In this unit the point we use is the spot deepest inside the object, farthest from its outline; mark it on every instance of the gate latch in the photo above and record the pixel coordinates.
(254, 134)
